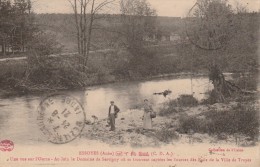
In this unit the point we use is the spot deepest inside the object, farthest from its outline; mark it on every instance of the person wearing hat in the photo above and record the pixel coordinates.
(112, 114)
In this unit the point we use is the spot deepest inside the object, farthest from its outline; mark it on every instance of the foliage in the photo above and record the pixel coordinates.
(138, 26)
(138, 22)
(187, 101)
(40, 59)
(210, 26)
(168, 108)
(16, 25)
(238, 55)
(144, 62)
(84, 24)
(211, 98)
(247, 82)
(174, 106)
(192, 124)
(166, 135)
(241, 119)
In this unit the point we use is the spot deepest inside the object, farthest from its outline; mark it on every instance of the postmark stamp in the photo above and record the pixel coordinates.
(61, 118)
(6, 145)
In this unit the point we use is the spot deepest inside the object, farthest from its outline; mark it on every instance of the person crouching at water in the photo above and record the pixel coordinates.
(112, 115)
(147, 120)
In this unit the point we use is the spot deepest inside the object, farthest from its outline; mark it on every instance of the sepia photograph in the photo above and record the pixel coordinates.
(171, 83)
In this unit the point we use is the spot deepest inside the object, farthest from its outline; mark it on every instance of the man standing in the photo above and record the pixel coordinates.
(112, 114)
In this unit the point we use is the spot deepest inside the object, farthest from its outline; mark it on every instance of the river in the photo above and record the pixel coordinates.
(18, 114)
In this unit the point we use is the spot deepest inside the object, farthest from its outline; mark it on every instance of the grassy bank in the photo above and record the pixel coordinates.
(232, 123)
(63, 72)
(238, 118)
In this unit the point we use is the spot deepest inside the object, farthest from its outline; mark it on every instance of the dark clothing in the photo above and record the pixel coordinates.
(116, 109)
(112, 116)
(112, 120)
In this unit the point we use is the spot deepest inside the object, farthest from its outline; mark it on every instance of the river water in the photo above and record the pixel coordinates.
(18, 115)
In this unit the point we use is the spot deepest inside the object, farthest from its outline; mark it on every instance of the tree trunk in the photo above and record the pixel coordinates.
(12, 43)
(7, 48)
(89, 35)
(3, 47)
(21, 45)
(222, 88)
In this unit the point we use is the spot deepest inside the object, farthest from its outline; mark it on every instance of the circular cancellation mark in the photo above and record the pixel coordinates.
(61, 118)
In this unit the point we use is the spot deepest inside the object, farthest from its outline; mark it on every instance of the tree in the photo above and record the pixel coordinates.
(24, 22)
(16, 24)
(138, 22)
(240, 8)
(211, 25)
(6, 24)
(85, 13)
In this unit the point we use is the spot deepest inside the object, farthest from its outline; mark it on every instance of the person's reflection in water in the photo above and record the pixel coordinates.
(147, 120)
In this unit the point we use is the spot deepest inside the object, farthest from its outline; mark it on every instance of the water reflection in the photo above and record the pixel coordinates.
(18, 116)
(130, 95)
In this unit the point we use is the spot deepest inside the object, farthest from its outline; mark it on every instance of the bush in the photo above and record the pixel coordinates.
(168, 108)
(167, 135)
(247, 82)
(194, 124)
(187, 101)
(183, 101)
(211, 98)
(242, 119)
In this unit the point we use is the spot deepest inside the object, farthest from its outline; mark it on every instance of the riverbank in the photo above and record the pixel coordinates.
(37, 74)
(8, 90)
(184, 126)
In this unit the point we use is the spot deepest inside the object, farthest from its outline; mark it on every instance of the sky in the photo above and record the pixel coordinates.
(172, 8)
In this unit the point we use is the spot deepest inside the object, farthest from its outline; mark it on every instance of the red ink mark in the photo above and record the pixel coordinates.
(6, 145)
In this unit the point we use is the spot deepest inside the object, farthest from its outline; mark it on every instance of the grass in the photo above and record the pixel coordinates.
(168, 108)
(211, 98)
(192, 124)
(245, 82)
(241, 119)
(187, 101)
(174, 106)
(167, 135)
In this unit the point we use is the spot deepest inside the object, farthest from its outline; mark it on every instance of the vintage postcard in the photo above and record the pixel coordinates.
(170, 83)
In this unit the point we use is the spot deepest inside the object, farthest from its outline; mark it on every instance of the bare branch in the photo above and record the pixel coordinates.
(101, 5)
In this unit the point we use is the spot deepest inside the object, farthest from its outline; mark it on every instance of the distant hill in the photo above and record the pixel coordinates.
(62, 25)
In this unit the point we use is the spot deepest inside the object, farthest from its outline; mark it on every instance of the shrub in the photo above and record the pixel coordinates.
(187, 101)
(211, 98)
(242, 119)
(247, 82)
(168, 108)
(183, 101)
(194, 124)
(167, 135)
